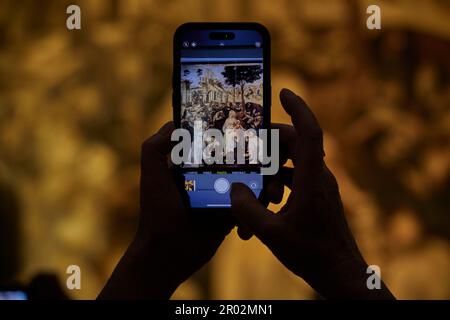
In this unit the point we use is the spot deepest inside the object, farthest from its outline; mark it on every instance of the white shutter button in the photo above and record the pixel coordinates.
(221, 185)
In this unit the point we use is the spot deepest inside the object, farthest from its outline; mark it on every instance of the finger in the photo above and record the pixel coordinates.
(249, 212)
(306, 126)
(309, 149)
(244, 233)
(286, 176)
(272, 191)
(288, 141)
(156, 148)
(275, 189)
(46, 286)
(154, 168)
(303, 119)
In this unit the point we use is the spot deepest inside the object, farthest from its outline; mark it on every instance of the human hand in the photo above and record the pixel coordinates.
(171, 242)
(309, 235)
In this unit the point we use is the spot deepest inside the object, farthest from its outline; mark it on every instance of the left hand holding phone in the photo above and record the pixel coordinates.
(170, 244)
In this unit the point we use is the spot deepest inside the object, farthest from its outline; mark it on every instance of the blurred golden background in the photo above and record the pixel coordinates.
(75, 107)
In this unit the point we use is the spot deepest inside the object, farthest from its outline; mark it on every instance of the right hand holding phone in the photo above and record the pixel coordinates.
(309, 235)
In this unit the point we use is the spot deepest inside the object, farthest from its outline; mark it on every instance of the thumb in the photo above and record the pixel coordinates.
(251, 213)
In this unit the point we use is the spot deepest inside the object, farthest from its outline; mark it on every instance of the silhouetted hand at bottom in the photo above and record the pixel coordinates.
(171, 243)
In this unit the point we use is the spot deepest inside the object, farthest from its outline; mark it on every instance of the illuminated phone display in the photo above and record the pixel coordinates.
(221, 84)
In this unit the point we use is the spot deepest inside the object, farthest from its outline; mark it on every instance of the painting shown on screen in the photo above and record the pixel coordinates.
(222, 96)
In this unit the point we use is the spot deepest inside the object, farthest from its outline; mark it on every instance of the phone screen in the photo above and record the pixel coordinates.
(221, 86)
(13, 294)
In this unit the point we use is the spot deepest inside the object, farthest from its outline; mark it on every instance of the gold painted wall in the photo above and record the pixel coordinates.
(76, 105)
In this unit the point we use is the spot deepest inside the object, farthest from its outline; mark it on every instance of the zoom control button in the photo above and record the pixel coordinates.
(253, 185)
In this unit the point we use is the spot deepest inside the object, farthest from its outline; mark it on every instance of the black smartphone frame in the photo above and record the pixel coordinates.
(176, 87)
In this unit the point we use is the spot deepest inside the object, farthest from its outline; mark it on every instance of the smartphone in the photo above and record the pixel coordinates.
(221, 80)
